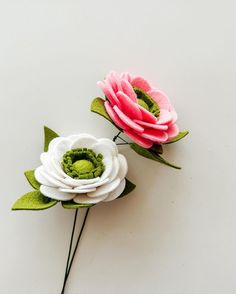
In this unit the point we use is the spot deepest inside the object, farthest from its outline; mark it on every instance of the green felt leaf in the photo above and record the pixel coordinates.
(98, 107)
(129, 187)
(29, 174)
(180, 136)
(33, 201)
(48, 136)
(72, 205)
(151, 155)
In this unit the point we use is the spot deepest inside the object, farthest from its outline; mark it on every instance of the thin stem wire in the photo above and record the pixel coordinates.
(76, 246)
(70, 247)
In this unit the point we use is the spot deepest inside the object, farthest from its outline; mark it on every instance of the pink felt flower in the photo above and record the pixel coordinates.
(144, 113)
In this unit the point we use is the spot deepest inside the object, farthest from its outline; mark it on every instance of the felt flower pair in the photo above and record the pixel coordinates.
(81, 170)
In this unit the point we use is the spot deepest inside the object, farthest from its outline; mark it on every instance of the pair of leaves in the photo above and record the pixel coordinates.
(35, 200)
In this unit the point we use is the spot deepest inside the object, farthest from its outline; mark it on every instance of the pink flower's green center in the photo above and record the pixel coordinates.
(82, 163)
(147, 102)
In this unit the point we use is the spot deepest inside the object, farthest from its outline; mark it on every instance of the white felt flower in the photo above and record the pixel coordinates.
(83, 168)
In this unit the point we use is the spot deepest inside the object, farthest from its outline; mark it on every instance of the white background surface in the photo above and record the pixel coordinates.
(176, 234)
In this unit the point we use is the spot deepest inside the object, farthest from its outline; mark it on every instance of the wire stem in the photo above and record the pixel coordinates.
(69, 265)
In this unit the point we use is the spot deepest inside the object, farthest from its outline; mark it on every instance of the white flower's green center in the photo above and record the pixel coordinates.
(83, 163)
(147, 102)
(83, 166)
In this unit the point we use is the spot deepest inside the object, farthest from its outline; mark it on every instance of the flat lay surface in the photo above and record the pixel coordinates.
(176, 232)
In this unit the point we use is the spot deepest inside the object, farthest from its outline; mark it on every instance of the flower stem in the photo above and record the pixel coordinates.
(70, 262)
(114, 139)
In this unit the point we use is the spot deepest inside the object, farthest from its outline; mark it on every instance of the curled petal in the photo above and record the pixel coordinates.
(155, 135)
(161, 98)
(138, 139)
(172, 131)
(84, 199)
(128, 90)
(54, 193)
(165, 117)
(109, 144)
(77, 190)
(148, 116)
(115, 118)
(84, 141)
(128, 106)
(76, 183)
(152, 126)
(129, 122)
(109, 93)
(107, 188)
(123, 168)
(141, 83)
(117, 192)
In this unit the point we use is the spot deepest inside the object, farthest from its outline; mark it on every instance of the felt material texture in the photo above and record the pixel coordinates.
(98, 107)
(33, 201)
(180, 136)
(139, 109)
(129, 187)
(72, 205)
(31, 179)
(148, 153)
(57, 184)
(48, 136)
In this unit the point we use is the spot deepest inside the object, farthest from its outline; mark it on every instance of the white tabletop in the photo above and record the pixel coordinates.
(176, 234)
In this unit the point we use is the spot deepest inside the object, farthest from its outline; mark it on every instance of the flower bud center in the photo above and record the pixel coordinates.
(143, 104)
(147, 102)
(82, 163)
(83, 166)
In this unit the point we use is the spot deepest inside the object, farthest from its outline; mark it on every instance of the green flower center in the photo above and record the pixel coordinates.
(147, 102)
(82, 163)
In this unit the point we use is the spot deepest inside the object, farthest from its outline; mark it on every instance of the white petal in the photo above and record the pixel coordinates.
(107, 188)
(83, 198)
(76, 183)
(84, 141)
(108, 168)
(110, 144)
(103, 149)
(123, 166)
(77, 191)
(93, 185)
(117, 192)
(39, 176)
(50, 179)
(55, 193)
(61, 148)
(115, 169)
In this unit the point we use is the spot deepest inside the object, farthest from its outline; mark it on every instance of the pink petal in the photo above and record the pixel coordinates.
(174, 116)
(109, 93)
(138, 139)
(129, 122)
(155, 135)
(112, 80)
(128, 90)
(126, 76)
(161, 98)
(130, 108)
(148, 116)
(114, 116)
(165, 117)
(152, 126)
(141, 83)
(172, 131)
